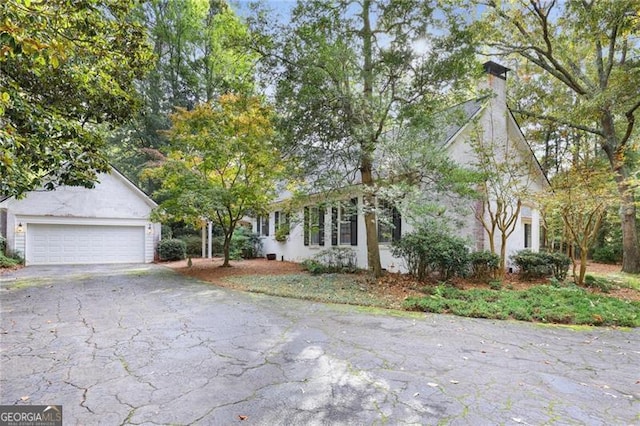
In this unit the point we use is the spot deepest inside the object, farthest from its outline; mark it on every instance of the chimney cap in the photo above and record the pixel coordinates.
(496, 69)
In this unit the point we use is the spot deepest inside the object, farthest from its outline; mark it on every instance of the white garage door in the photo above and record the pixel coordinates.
(49, 244)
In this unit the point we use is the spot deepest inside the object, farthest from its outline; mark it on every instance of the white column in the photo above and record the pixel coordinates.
(210, 231)
(204, 242)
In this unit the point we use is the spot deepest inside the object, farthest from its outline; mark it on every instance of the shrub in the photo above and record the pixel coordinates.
(541, 264)
(7, 262)
(244, 244)
(607, 254)
(193, 244)
(335, 259)
(559, 263)
(3, 244)
(172, 249)
(429, 250)
(599, 283)
(484, 264)
(314, 267)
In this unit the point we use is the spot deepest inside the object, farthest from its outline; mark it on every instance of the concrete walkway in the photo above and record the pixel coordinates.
(138, 344)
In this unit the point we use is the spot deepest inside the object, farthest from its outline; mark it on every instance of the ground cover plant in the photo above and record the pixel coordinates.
(616, 303)
(542, 303)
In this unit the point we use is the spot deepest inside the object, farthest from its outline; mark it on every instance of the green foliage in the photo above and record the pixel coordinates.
(65, 67)
(348, 71)
(600, 283)
(3, 244)
(201, 53)
(578, 69)
(607, 254)
(541, 264)
(484, 264)
(7, 262)
(222, 166)
(429, 250)
(608, 244)
(245, 244)
(571, 305)
(193, 245)
(332, 260)
(172, 249)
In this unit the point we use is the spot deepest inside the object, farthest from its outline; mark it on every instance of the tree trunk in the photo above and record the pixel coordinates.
(630, 242)
(226, 247)
(503, 256)
(368, 145)
(373, 248)
(583, 265)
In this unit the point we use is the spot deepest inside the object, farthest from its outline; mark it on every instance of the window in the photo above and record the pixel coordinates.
(314, 225)
(389, 223)
(344, 223)
(281, 225)
(262, 225)
(345, 214)
(527, 235)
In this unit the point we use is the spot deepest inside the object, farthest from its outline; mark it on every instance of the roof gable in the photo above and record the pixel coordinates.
(113, 196)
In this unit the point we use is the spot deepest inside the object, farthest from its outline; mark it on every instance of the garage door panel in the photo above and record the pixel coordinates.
(69, 244)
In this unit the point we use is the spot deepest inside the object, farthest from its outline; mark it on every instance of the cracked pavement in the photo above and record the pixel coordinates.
(140, 344)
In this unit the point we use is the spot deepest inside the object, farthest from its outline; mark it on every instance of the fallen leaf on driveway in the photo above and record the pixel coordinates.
(455, 382)
(433, 385)
(243, 417)
(24, 398)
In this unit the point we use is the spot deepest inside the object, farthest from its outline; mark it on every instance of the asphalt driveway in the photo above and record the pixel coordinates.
(138, 344)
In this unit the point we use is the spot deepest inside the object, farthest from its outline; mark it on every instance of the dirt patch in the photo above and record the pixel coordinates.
(395, 286)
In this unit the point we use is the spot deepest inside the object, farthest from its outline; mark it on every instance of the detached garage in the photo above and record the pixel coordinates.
(74, 225)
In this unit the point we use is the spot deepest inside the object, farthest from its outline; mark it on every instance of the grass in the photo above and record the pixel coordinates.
(621, 279)
(544, 304)
(547, 304)
(331, 288)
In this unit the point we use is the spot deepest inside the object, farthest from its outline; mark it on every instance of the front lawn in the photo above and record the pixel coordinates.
(514, 299)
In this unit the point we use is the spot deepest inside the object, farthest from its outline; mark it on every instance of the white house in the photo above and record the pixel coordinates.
(342, 225)
(75, 225)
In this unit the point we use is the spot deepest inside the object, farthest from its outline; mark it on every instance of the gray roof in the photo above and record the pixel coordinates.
(461, 114)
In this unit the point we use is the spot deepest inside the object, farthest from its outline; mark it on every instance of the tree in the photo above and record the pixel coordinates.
(65, 67)
(200, 53)
(222, 164)
(580, 197)
(589, 49)
(347, 71)
(507, 182)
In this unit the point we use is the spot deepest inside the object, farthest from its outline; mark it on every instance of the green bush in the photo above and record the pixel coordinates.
(7, 262)
(541, 264)
(193, 244)
(484, 264)
(314, 267)
(607, 254)
(172, 249)
(335, 259)
(599, 283)
(244, 244)
(428, 250)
